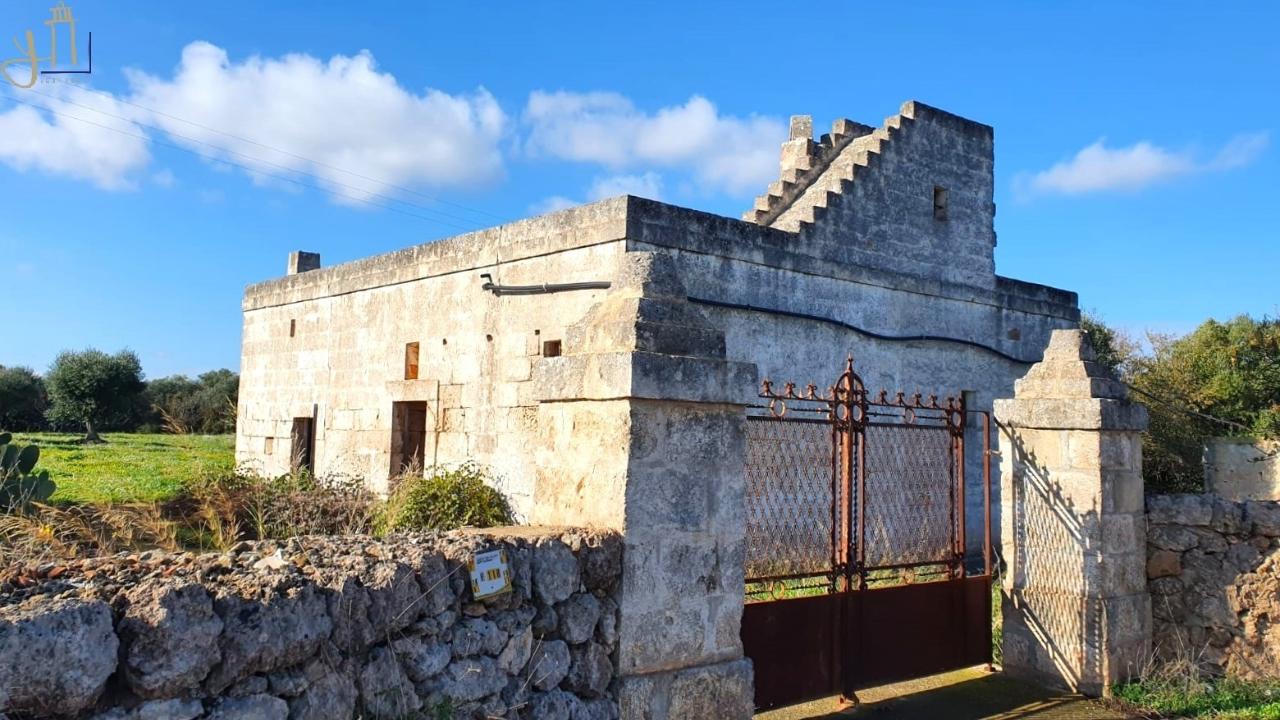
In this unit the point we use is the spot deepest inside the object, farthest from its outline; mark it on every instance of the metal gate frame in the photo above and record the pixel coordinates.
(851, 620)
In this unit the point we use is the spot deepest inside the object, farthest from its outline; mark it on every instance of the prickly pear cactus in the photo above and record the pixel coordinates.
(20, 484)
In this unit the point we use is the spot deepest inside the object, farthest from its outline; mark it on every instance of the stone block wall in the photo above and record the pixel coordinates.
(1213, 568)
(876, 200)
(330, 345)
(314, 628)
(1242, 468)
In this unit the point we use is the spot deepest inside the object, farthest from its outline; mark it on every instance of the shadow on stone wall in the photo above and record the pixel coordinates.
(1049, 625)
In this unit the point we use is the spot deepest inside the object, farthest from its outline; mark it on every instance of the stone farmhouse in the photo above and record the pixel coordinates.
(874, 242)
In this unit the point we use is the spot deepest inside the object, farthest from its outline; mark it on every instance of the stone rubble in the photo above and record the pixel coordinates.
(317, 627)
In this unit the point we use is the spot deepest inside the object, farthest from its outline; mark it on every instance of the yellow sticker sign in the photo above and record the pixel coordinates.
(490, 574)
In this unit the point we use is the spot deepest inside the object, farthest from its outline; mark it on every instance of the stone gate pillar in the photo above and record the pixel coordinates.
(642, 433)
(1076, 609)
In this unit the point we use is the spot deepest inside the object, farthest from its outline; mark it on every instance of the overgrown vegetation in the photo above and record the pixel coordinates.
(444, 498)
(1221, 379)
(213, 507)
(1177, 694)
(217, 511)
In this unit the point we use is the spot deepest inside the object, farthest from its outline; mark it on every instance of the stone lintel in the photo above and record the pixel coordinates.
(413, 390)
(1071, 414)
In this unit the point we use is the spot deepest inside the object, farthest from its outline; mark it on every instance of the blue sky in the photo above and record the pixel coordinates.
(1136, 152)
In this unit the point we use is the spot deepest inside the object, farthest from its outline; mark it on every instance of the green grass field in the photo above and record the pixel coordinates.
(129, 467)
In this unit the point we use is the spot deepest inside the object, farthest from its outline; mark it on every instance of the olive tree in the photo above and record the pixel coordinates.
(94, 388)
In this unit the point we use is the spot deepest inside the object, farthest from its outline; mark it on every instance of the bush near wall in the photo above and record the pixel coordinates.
(445, 498)
(1222, 378)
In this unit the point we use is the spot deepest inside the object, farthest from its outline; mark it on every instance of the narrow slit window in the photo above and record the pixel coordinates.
(939, 203)
(551, 348)
(411, 361)
(293, 328)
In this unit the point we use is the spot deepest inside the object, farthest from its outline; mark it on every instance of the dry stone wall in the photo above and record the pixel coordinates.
(314, 628)
(1213, 569)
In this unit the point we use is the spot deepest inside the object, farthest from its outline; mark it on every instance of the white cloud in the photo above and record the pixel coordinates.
(319, 115)
(1240, 151)
(738, 155)
(1097, 167)
(58, 144)
(648, 185)
(552, 204)
(339, 113)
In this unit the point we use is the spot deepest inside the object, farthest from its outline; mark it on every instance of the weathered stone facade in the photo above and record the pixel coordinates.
(319, 628)
(856, 260)
(1076, 609)
(1213, 567)
(599, 360)
(1242, 468)
(644, 414)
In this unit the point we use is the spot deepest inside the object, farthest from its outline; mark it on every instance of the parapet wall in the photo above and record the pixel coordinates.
(1213, 569)
(317, 628)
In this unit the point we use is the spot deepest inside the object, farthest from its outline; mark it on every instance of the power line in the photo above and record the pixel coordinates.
(1188, 411)
(286, 168)
(272, 148)
(246, 168)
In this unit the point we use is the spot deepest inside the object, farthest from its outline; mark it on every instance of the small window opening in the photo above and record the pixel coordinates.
(411, 361)
(269, 446)
(551, 348)
(444, 341)
(293, 328)
(939, 203)
(488, 338)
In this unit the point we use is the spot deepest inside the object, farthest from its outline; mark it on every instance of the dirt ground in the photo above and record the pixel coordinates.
(970, 694)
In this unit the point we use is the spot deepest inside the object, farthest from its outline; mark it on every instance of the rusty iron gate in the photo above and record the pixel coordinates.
(855, 561)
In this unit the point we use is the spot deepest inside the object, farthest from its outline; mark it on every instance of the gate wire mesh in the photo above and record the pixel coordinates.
(804, 522)
(909, 515)
(789, 497)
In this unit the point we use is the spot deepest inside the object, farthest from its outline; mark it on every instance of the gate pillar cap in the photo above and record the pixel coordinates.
(1069, 371)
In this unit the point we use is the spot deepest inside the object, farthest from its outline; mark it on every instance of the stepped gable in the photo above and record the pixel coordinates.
(915, 195)
(803, 162)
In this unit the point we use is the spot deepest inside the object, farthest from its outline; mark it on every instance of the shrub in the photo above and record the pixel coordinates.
(243, 506)
(23, 399)
(181, 405)
(446, 499)
(45, 533)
